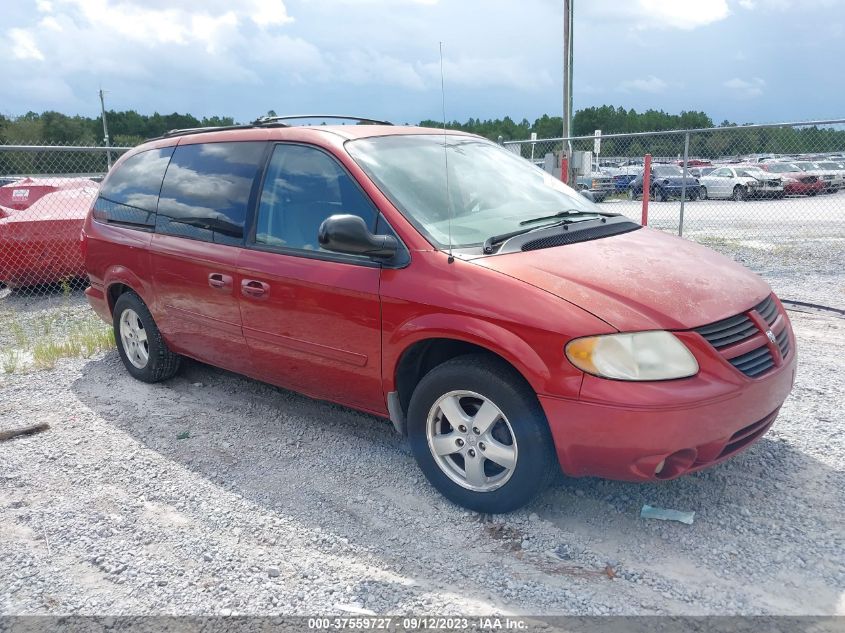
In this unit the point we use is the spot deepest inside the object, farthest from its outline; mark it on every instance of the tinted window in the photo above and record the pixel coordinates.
(303, 187)
(130, 194)
(206, 190)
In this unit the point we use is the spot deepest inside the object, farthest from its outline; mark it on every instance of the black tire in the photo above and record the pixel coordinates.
(162, 363)
(739, 193)
(660, 194)
(632, 195)
(491, 378)
(702, 193)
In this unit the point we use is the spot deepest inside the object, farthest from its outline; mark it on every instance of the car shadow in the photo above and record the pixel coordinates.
(766, 525)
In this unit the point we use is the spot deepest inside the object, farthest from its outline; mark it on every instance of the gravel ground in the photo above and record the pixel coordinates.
(214, 494)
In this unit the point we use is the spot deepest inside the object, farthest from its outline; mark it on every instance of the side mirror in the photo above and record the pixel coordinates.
(349, 234)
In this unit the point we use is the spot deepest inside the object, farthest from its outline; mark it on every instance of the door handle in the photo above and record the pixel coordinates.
(220, 281)
(254, 289)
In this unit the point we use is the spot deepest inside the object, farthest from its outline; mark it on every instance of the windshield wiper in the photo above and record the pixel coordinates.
(559, 214)
(498, 239)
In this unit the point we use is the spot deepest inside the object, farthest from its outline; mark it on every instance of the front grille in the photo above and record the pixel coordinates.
(808, 180)
(767, 309)
(729, 331)
(584, 235)
(724, 334)
(783, 342)
(755, 362)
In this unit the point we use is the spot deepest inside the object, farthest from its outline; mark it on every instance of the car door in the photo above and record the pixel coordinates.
(311, 318)
(199, 231)
(721, 179)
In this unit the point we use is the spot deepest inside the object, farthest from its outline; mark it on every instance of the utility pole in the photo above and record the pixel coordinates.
(568, 13)
(105, 127)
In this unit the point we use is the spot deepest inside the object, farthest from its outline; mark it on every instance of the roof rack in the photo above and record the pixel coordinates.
(269, 120)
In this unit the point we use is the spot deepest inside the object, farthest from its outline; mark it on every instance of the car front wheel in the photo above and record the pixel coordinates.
(139, 342)
(479, 435)
(739, 193)
(702, 193)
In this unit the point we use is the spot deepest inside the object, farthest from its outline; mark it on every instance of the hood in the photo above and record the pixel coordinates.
(642, 280)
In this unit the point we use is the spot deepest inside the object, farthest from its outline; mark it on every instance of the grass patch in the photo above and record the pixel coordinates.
(38, 341)
(10, 360)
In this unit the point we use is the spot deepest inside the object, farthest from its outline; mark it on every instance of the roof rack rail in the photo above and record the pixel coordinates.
(266, 121)
(271, 120)
(200, 130)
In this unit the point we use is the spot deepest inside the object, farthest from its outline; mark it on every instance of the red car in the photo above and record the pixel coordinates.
(40, 221)
(795, 181)
(498, 318)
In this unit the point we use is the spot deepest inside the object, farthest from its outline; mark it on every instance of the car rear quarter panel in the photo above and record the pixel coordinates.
(118, 255)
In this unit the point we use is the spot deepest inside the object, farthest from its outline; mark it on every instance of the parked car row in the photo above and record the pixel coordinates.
(736, 181)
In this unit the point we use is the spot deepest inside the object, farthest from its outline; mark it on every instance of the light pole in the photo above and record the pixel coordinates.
(567, 89)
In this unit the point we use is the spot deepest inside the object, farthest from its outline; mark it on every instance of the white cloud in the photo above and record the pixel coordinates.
(746, 88)
(659, 14)
(478, 72)
(650, 84)
(23, 45)
(746, 4)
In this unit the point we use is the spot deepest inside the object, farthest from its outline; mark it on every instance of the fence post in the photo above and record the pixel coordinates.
(684, 186)
(646, 187)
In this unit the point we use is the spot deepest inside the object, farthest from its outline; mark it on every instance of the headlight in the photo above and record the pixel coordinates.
(636, 356)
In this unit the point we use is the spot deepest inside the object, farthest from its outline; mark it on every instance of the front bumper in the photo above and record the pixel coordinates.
(662, 430)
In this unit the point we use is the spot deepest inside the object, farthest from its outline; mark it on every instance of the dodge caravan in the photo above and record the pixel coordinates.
(506, 324)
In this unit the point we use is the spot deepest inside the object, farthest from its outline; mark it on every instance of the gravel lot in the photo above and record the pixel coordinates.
(216, 494)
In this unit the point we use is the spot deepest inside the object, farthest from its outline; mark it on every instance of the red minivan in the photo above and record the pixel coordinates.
(503, 322)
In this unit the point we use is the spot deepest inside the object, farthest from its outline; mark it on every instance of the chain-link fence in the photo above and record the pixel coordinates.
(770, 196)
(45, 194)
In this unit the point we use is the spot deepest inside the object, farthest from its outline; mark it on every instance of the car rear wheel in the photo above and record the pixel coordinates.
(702, 193)
(632, 195)
(739, 193)
(139, 342)
(480, 436)
(660, 194)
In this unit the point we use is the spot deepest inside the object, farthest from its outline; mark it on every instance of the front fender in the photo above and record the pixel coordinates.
(552, 374)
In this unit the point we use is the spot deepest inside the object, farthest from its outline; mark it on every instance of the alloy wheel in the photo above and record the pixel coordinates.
(133, 338)
(471, 441)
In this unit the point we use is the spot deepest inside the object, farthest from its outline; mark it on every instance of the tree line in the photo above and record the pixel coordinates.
(129, 128)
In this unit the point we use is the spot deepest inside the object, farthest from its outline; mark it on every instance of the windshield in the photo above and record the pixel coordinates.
(667, 170)
(491, 190)
(781, 168)
(806, 166)
(752, 172)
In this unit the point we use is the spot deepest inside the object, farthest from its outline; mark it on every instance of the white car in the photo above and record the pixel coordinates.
(740, 182)
(835, 168)
(832, 179)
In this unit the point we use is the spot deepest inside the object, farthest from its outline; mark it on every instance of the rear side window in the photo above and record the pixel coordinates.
(130, 194)
(303, 187)
(206, 190)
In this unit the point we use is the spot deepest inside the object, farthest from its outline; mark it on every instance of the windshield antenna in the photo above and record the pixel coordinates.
(446, 155)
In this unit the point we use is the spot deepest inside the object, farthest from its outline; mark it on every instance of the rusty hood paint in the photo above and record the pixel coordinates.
(641, 280)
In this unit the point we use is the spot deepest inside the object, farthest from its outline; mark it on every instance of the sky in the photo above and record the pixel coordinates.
(743, 60)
